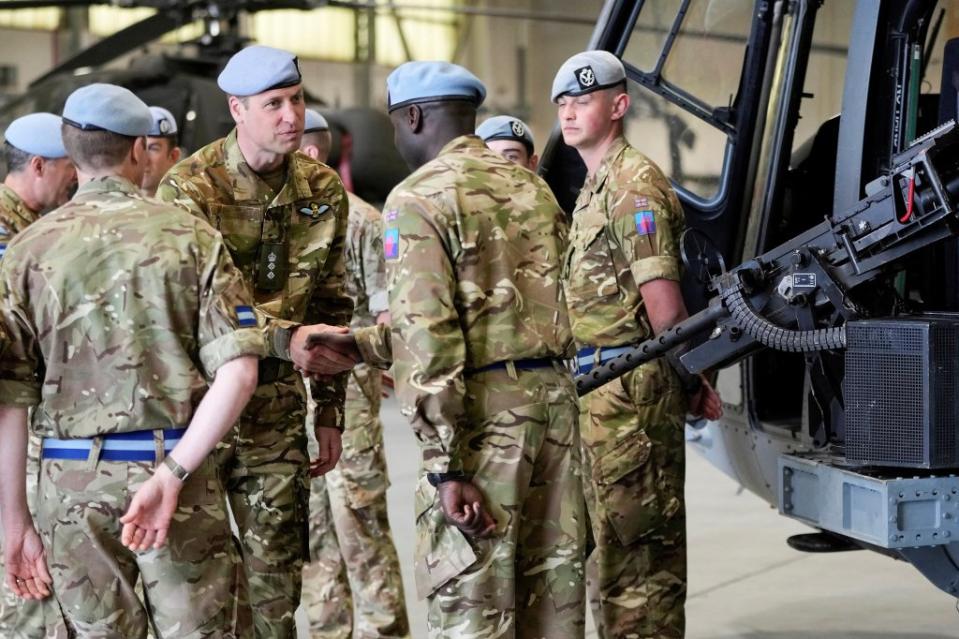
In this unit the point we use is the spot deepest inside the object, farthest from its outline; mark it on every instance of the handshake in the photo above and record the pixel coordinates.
(320, 351)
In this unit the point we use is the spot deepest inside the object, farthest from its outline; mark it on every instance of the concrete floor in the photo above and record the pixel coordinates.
(744, 581)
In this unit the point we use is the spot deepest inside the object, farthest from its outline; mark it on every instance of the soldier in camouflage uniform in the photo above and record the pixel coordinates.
(39, 177)
(473, 246)
(283, 216)
(511, 138)
(163, 150)
(621, 276)
(353, 561)
(121, 311)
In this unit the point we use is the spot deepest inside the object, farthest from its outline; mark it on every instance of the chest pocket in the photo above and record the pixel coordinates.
(310, 239)
(589, 270)
(241, 227)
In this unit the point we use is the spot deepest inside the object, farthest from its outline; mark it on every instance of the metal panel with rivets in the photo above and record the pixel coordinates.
(881, 509)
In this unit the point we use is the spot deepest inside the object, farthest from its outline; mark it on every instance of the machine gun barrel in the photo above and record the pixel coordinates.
(651, 349)
(796, 296)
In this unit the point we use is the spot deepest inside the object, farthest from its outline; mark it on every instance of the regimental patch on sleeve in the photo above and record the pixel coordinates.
(391, 243)
(391, 215)
(3, 249)
(645, 222)
(246, 316)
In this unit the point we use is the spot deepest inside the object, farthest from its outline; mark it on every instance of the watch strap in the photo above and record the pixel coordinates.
(435, 479)
(176, 469)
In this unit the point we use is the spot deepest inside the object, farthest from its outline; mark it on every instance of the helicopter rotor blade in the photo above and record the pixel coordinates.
(11, 5)
(121, 42)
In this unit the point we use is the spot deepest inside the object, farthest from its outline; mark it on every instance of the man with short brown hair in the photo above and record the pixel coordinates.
(621, 278)
(283, 216)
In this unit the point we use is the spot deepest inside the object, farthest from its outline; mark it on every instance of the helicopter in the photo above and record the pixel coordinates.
(786, 413)
(184, 82)
(854, 438)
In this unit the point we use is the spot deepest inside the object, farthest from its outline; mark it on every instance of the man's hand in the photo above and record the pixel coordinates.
(462, 504)
(706, 402)
(320, 349)
(147, 520)
(331, 446)
(27, 574)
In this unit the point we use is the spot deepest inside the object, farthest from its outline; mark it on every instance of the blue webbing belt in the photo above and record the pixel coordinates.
(520, 364)
(586, 357)
(125, 447)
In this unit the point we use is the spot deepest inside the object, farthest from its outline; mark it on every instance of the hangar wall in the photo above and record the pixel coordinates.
(517, 56)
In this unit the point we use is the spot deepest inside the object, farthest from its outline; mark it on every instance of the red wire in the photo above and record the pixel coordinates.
(912, 193)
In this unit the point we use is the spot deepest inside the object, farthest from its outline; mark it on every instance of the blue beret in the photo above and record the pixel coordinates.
(164, 124)
(414, 82)
(37, 134)
(315, 122)
(505, 127)
(107, 107)
(587, 72)
(257, 69)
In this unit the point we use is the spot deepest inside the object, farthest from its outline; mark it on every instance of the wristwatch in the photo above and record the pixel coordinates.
(435, 479)
(282, 336)
(176, 469)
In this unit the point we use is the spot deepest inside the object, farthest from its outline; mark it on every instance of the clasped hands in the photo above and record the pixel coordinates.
(320, 350)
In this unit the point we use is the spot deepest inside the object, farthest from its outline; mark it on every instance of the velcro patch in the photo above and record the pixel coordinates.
(645, 222)
(391, 243)
(245, 316)
(3, 249)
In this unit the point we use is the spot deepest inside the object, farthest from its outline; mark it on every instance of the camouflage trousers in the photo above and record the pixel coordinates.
(527, 580)
(264, 467)
(188, 584)
(353, 562)
(28, 618)
(634, 456)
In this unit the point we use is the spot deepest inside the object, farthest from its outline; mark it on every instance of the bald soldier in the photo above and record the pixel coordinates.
(134, 341)
(622, 284)
(353, 562)
(479, 331)
(283, 217)
(163, 149)
(39, 177)
(511, 138)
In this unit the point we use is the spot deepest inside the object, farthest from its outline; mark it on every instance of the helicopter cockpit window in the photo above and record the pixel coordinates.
(685, 58)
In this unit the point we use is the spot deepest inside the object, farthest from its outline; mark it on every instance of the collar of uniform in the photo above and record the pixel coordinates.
(463, 143)
(247, 185)
(13, 204)
(596, 183)
(108, 184)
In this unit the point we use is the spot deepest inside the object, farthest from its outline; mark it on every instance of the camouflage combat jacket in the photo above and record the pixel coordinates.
(473, 246)
(14, 216)
(625, 232)
(289, 245)
(121, 310)
(366, 271)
